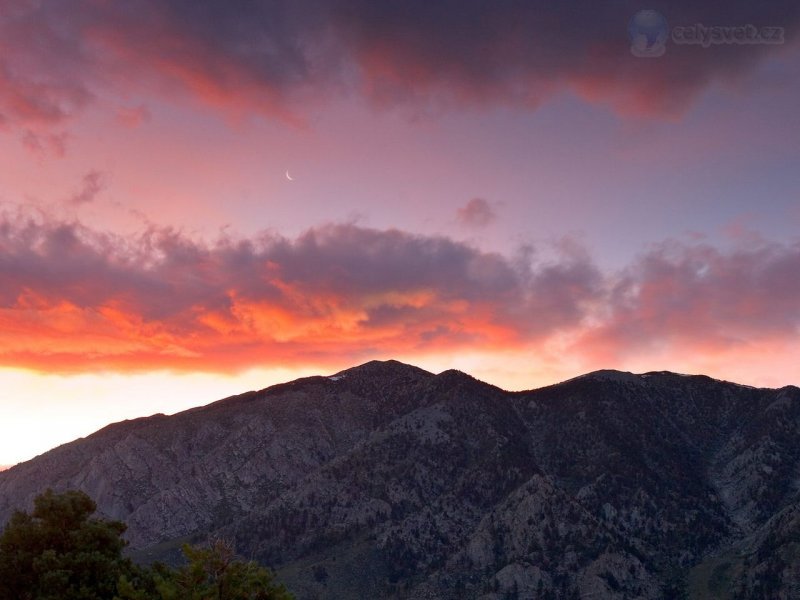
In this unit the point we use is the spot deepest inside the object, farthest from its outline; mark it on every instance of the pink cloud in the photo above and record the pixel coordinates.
(701, 300)
(476, 213)
(133, 117)
(42, 144)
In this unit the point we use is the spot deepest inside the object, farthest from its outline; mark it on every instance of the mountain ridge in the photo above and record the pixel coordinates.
(611, 483)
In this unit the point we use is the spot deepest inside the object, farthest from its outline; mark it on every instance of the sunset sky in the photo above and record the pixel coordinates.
(498, 187)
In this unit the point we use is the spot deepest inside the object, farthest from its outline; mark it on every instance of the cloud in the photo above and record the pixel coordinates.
(274, 57)
(133, 117)
(91, 185)
(73, 298)
(521, 53)
(41, 144)
(35, 102)
(42, 78)
(699, 300)
(476, 213)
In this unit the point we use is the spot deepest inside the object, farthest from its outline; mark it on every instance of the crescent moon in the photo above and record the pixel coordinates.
(289, 177)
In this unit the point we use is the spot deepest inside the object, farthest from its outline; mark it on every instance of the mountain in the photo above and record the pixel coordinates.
(386, 481)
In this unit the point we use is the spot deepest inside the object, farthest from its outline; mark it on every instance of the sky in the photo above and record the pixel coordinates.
(200, 199)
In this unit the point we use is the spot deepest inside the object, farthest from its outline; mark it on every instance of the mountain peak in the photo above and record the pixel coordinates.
(609, 375)
(382, 368)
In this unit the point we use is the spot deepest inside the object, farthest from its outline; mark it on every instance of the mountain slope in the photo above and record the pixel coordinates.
(388, 481)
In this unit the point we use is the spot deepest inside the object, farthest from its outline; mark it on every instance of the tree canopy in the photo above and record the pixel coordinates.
(60, 552)
(211, 573)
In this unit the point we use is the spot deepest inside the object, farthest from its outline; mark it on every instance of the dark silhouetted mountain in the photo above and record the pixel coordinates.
(386, 481)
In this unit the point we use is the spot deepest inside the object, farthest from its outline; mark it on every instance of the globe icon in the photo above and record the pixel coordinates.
(648, 33)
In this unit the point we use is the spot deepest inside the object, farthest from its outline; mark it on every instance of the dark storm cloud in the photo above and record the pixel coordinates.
(522, 51)
(271, 57)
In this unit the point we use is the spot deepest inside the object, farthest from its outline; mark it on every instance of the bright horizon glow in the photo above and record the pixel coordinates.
(546, 207)
(133, 396)
(60, 409)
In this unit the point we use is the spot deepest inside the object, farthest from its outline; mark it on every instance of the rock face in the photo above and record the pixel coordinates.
(388, 481)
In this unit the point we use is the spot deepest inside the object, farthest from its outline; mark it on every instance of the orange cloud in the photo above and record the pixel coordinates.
(74, 299)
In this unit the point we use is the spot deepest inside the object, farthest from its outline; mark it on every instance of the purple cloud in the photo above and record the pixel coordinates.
(91, 185)
(271, 57)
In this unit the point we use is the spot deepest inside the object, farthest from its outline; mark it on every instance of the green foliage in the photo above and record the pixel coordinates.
(214, 573)
(58, 552)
